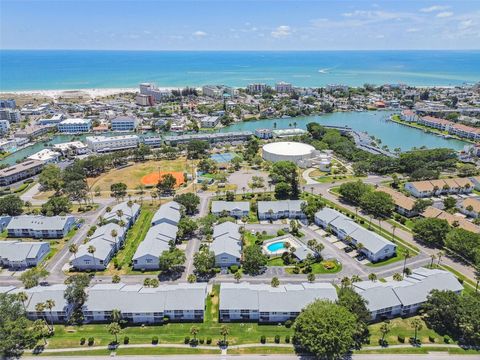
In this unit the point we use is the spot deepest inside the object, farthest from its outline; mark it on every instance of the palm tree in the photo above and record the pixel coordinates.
(146, 282)
(311, 277)
(397, 277)
(191, 278)
(91, 250)
(194, 332)
(433, 257)
(50, 304)
(237, 276)
(372, 277)
(119, 214)
(22, 297)
(73, 248)
(355, 278)
(40, 327)
(394, 227)
(417, 325)
(360, 247)
(275, 282)
(224, 331)
(440, 254)
(114, 329)
(346, 282)
(116, 315)
(406, 253)
(384, 329)
(40, 308)
(154, 195)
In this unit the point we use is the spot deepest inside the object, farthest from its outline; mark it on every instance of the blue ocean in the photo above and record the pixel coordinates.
(35, 70)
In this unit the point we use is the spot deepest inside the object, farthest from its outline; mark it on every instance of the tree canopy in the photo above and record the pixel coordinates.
(190, 202)
(326, 330)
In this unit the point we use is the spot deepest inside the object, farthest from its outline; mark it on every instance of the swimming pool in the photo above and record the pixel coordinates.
(274, 247)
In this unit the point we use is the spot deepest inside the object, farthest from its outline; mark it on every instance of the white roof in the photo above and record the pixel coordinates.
(288, 148)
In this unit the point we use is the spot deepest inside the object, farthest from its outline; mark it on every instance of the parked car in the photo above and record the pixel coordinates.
(348, 249)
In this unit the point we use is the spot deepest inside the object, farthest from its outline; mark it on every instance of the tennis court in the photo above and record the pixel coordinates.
(223, 157)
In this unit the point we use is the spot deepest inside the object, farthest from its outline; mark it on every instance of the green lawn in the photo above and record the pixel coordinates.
(403, 327)
(275, 261)
(173, 333)
(135, 236)
(250, 239)
(318, 268)
(165, 351)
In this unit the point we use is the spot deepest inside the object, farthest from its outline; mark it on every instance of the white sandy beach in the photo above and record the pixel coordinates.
(92, 93)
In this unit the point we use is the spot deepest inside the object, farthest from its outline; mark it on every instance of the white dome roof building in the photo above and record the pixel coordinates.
(289, 151)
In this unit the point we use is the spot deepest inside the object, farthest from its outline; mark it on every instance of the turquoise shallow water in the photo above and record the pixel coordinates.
(275, 247)
(35, 70)
(374, 122)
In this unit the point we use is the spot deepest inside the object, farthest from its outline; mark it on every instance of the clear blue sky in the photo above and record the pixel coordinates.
(239, 25)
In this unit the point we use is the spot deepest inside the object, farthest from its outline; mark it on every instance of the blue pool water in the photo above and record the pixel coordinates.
(275, 247)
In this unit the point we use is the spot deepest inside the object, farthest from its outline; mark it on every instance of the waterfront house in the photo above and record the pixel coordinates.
(374, 246)
(265, 304)
(111, 143)
(141, 305)
(22, 254)
(236, 209)
(124, 123)
(40, 227)
(209, 121)
(282, 209)
(75, 126)
(227, 244)
(436, 123)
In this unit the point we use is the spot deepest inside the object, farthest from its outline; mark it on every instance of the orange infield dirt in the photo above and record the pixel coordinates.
(152, 178)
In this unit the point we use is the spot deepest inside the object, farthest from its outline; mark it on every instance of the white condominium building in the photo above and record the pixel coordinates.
(283, 87)
(74, 126)
(11, 115)
(105, 144)
(4, 126)
(124, 123)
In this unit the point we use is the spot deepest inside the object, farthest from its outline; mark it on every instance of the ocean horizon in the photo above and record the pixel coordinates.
(28, 70)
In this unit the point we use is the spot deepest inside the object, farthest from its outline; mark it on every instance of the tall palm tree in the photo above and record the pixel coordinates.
(50, 304)
(91, 250)
(406, 253)
(433, 257)
(119, 214)
(73, 248)
(22, 297)
(440, 254)
(346, 282)
(224, 331)
(40, 308)
(114, 235)
(194, 332)
(116, 315)
(394, 227)
(355, 278)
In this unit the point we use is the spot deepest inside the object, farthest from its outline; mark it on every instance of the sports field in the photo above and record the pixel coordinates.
(134, 174)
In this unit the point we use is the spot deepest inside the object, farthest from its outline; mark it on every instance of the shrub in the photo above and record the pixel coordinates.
(446, 340)
(193, 342)
(234, 269)
(202, 340)
(263, 339)
(287, 339)
(186, 340)
(209, 341)
(126, 340)
(155, 340)
(296, 270)
(82, 341)
(288, 323)
(280, 232)
(328, 265)
(401, 338)
(91, 341)
(277, 339)
(431, 339)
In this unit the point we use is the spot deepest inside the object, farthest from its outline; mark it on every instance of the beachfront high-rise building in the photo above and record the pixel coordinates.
(257, 88)
(11, 115)
(144, 100)
(4, 126)
(124, 123)
(156, 93)
(217, 91)
(8, 104)
(283, 87)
